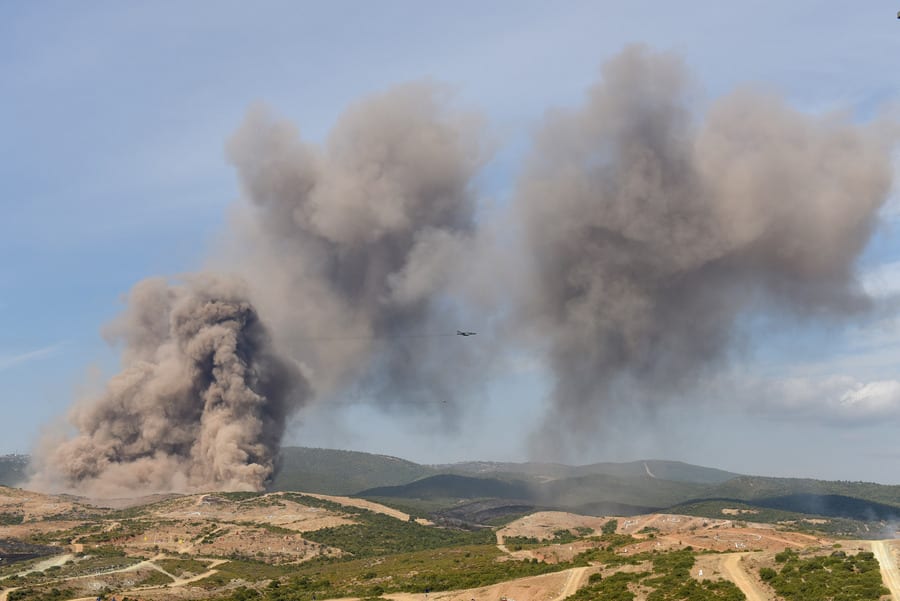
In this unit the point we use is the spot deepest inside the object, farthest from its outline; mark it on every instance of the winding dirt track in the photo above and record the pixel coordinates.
(731, 565)
(147, 563)
(889, 574)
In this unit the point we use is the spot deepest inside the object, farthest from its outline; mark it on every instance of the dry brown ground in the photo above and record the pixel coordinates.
(35, 506)
(886, 553)
(370, 505)
(547, 587)
(664, 532)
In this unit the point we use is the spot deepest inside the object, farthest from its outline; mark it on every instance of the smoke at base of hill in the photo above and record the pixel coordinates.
(201, 402)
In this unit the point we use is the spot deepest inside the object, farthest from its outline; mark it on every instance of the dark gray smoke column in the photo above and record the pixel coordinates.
(649, 230)
(200, 404)
(351, 245)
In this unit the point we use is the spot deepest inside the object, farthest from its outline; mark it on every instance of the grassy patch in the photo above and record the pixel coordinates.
(244, 570)
(183, 567)
(11, 519)
(155, 578)
(37, 594)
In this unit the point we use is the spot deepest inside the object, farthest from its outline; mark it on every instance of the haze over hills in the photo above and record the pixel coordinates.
(12, 469)
(476, 492)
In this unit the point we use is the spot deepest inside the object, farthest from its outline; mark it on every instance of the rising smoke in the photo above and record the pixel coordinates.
(200, 404)
(647, 229)
(351, 246)
(651, 230)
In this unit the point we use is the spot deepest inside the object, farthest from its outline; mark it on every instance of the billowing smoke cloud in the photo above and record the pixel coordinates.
(200, 404)
(351, 245)
(348, 249)
(651, 230)
(648, 231)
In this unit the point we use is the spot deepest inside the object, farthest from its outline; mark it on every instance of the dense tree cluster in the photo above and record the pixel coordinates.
(838, 577)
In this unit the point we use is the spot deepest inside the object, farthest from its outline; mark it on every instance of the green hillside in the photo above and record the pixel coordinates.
(333, 472)
(640, 490)
(758, 487)
(452, 486)
(674, 471)
(482, 491)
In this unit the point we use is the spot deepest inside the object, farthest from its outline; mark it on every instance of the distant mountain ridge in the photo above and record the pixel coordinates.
(335, 472)
(475, 491)
(479, 490)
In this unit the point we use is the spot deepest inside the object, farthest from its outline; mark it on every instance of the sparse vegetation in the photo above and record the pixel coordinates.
(155, 578)
(11, 519)
(37, 594)
(670, 579)
(559, 537)
(183, 567)
(616, 587)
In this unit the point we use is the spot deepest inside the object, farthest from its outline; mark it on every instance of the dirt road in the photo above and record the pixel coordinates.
(576, 576)
(554, 586)
(364, 504)
(889, 574)
(147, 563)
(501, 544)
(731, 566)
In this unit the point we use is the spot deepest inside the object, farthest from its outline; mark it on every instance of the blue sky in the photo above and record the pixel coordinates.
(115, 116)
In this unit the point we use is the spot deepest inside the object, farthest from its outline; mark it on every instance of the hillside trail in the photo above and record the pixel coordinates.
(576, 577)
(147, 563)
(889, 574)
(501, 544)
(553, 586)
(55, 561)
(365, 504)
(177, 582)
(731, 565)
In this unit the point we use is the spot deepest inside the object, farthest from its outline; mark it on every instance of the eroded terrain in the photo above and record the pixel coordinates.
(244, 546)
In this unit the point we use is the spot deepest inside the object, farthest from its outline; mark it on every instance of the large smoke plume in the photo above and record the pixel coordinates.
(648, 230)
(651, 229)
(200, 403)
(351, 245)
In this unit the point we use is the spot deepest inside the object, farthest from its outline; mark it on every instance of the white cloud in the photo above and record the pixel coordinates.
(883, 280)
(836, 400)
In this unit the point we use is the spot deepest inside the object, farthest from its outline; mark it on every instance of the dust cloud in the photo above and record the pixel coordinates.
(201, 402)
(641, 230)
(652, 229)
(352, 245)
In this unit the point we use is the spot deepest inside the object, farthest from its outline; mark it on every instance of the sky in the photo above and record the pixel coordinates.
(113, 168)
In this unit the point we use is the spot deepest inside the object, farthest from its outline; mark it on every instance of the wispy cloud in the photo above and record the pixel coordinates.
(838, 400)
(883, 281)
(10, 361)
